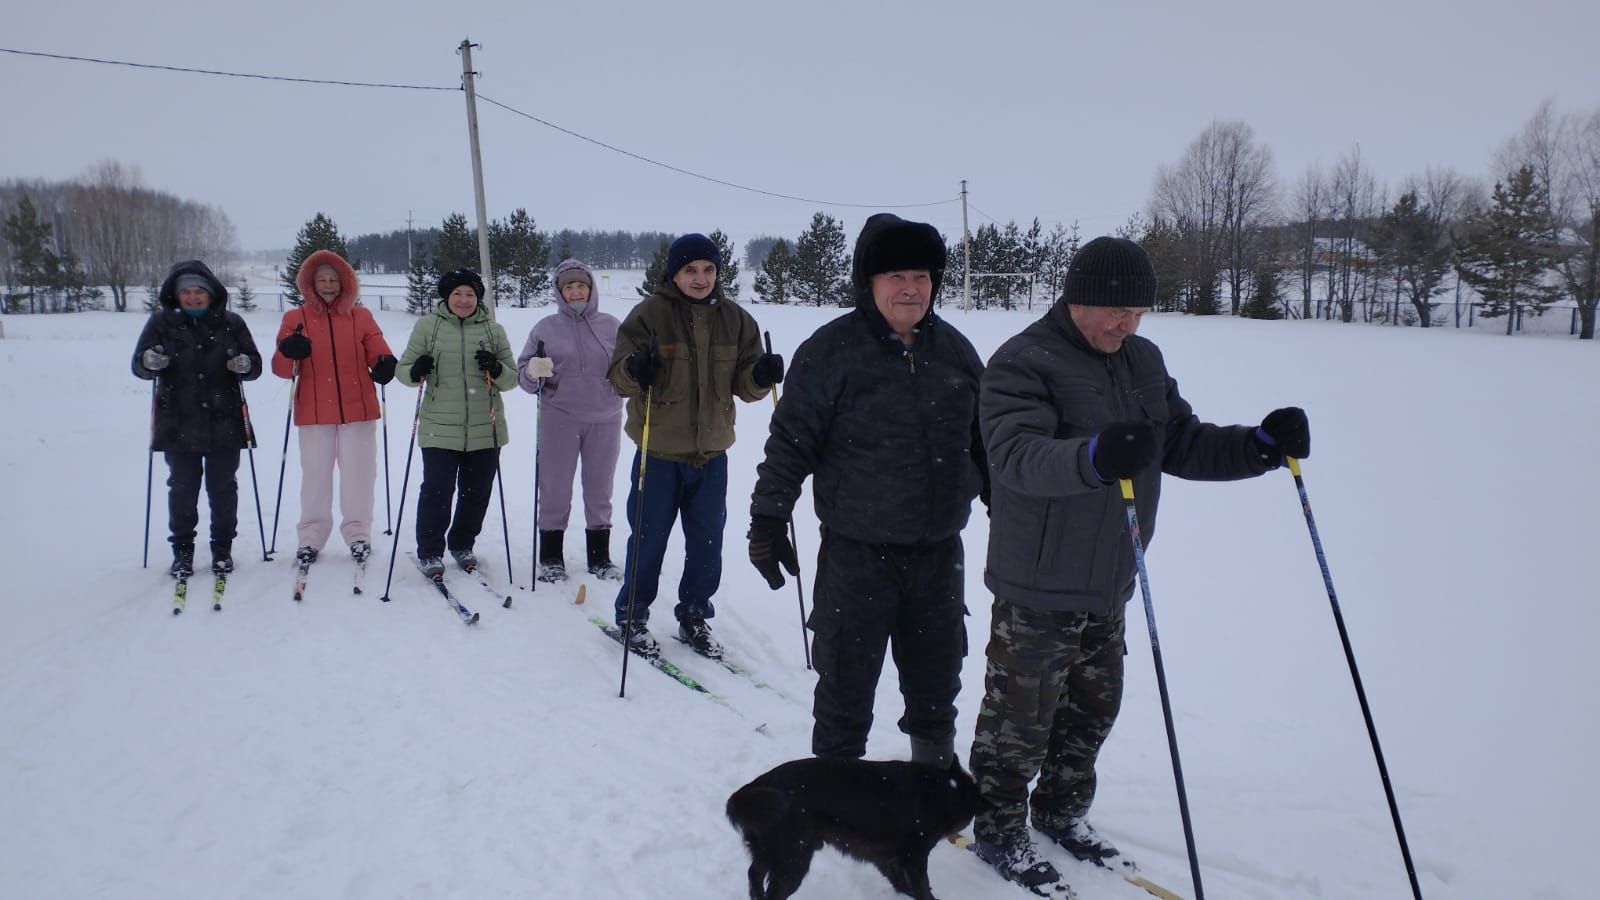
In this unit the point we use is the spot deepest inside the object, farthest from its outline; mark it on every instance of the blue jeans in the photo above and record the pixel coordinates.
(675, 490)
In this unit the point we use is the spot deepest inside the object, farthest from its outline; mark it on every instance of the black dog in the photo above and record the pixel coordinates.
(889, 814)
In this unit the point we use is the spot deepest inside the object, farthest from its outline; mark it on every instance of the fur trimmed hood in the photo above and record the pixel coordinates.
(349, 284)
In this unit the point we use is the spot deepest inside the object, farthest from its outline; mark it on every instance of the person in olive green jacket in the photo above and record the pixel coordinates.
(683, 354)
(466, 360)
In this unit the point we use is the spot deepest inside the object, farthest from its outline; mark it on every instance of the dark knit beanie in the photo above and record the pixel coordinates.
(1110, 271)
(189, 280)
(455, 278)
(691, 248)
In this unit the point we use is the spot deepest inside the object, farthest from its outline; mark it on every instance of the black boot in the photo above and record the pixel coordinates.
(182, 560)
(221, 557)
(599, 540)
(552, 563)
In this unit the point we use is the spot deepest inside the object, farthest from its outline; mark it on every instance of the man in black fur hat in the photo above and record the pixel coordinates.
(881, 407)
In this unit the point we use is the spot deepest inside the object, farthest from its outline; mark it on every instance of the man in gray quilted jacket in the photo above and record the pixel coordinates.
(1067, 408)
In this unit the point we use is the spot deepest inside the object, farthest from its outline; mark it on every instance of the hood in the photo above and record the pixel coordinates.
(349, 284)
(888, 242)
(568, 265)
(168, 298)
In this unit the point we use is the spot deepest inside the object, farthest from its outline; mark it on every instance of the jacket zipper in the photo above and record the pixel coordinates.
(333, 346)
(466, 392)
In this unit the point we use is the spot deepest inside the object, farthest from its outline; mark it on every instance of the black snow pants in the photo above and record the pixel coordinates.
(869, 597)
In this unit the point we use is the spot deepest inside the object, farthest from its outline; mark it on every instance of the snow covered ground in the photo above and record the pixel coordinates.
(348, 748)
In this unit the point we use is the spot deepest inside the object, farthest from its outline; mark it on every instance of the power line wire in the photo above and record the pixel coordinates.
(980, 212)
(511, 109)
(134, 65)
(682, 171)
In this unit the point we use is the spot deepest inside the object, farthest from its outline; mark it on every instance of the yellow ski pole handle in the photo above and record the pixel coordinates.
(1294, 466)
(1127, 488)
(644, 438)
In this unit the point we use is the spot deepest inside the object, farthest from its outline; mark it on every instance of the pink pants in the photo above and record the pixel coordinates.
(562, 441)
(355, 448)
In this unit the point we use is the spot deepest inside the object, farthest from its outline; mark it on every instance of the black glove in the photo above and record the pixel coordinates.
(383, 369)
(1123, 450)
(1285, 432)
(769, 546)
(422, 367)
(295, 346)
(644, 366)
(488, 363)
(768, 370)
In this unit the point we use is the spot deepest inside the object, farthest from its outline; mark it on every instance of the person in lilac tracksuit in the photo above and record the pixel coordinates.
(580, 416)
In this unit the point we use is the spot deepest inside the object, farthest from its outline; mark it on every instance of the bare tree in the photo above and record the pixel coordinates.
(1356, 200)
(106, 201)
(1310, 207)
(1563, 152)
(1219, 195)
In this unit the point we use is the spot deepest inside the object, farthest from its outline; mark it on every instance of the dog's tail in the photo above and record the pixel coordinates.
(755, 808)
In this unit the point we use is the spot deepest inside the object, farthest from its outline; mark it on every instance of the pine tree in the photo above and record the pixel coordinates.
(318, 234)
(1507, 251)
(520, 253)
(653, 272)
(29, 240)
(245, 299)
(456, 247)
(821, 267)
(774, 283)
(421, 282)
(1411, 239)
(152, 291)
(728, 270)
(1265, 295)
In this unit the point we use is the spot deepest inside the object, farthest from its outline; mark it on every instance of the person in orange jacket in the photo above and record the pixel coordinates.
(335, 349)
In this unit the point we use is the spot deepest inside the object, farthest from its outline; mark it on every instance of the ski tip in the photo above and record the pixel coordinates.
(356, 589)
(507, 604)
(473, 620)
(583, 591)
(176, 610)
(216, 607)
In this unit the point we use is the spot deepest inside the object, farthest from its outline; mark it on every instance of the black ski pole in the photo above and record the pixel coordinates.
(1161, 683)
(636, 544)
(283, 460)
(250, 448)
(383, 402)
(538, 435)
(494, 438)
(1355, 676)
(149, 474)
(799, 589)
(404, 481)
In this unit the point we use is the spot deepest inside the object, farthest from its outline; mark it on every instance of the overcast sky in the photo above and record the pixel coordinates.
(1052, 109)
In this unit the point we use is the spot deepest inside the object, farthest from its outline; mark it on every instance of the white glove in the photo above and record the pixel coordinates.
(239, 365)
(155, 360)
(541, 367)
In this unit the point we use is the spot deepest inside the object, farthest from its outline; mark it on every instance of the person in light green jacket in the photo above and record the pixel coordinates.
(466, 361)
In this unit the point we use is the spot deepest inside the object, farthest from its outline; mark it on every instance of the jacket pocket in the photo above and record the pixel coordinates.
(676, 380)
(724, 359)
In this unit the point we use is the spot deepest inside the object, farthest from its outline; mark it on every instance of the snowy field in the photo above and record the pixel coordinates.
(352, 749)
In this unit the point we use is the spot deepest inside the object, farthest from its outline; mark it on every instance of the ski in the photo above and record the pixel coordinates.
(361, 577)
(180, 595)
(1126, 870)
(467, 616)
(482, 580)
(217, 587)
(733, 667)
(656, 662)
(301, 571)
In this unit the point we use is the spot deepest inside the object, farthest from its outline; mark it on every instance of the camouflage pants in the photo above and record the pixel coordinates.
(1052, 690)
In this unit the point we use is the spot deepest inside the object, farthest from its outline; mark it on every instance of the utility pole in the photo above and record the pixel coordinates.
(477, 171)
(966, 253)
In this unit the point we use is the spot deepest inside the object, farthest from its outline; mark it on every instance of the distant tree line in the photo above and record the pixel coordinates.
(104, 228)
(597, 249)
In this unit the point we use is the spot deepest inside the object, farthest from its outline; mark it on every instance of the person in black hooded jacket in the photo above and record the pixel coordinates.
(881, 409)
(198, 353)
